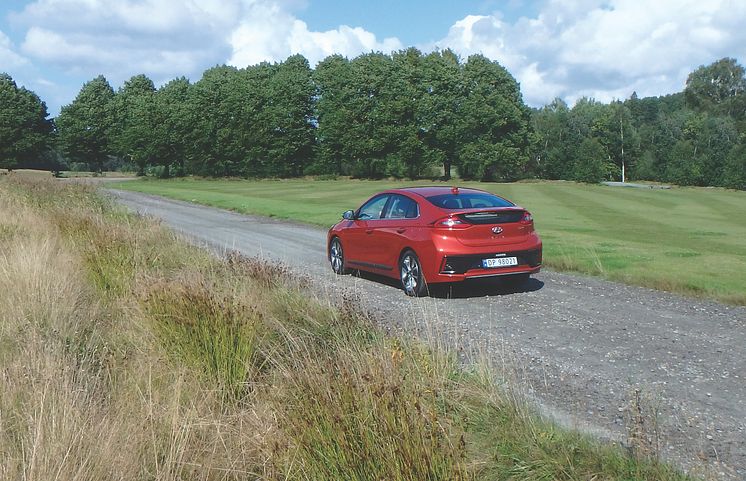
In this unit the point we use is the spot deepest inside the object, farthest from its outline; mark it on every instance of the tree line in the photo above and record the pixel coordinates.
(695, 137)
(403, 115)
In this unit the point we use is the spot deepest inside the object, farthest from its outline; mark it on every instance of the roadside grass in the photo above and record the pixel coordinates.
(44, 174)
(27, 173)
(70, 174)
(685, 240)
(127, 354)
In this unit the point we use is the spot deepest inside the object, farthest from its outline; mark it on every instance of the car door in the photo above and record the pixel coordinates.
(361, 250)
(395, 230)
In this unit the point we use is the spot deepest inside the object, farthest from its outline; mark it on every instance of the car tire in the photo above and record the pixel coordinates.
(410, 274)
(337, 258)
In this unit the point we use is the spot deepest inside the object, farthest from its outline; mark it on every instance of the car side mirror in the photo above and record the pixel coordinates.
(349, 215)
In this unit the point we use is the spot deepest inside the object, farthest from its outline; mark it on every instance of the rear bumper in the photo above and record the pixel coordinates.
(464, 264)
(480, 273)
(459, 266)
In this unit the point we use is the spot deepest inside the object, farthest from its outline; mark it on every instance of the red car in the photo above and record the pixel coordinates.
(428, 235)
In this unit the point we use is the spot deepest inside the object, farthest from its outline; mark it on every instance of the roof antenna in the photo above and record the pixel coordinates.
(454, 190)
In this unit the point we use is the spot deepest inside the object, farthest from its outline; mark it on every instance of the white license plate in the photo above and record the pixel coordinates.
(500, 262)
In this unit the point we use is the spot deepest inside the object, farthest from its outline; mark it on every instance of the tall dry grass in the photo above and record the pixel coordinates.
(53, 389)
(126, 354)
(85, 392)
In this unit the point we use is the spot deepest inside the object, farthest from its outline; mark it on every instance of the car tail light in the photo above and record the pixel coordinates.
(527, 218)
(451, 223)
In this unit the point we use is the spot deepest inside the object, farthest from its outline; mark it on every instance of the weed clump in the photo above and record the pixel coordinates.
(217, 334)
(267, 273)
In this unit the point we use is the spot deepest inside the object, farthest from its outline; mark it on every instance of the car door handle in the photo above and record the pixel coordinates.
(401, 231)
(369, 231)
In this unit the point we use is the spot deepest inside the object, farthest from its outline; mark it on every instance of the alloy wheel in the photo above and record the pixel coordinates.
(412, 280)
(336, 257)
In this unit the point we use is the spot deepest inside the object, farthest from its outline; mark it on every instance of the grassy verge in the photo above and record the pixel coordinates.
(129, 355)
(687, 240)
(45, 174)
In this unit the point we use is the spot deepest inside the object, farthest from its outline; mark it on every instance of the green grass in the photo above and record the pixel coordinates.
(685, 240)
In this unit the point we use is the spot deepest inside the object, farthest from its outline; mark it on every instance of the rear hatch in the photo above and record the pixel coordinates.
(492, 227)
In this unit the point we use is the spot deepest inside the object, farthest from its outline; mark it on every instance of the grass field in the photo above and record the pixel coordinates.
(127, 354)
(685, 240)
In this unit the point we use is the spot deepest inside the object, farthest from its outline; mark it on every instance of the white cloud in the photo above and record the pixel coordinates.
(168, 38)
(345, 40)
(21, 69)
(9, 59)
(261, 35)
(606, 49)
(161, 38)
(270, 33)
(73, 41)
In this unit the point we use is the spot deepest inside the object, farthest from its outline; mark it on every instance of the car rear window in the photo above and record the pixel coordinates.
(468, 200)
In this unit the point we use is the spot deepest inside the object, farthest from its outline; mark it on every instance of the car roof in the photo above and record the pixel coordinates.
(429, 191)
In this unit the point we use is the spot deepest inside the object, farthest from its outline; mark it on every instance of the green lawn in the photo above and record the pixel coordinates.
(688, 240)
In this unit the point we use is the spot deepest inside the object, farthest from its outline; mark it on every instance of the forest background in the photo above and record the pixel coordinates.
(400, 115)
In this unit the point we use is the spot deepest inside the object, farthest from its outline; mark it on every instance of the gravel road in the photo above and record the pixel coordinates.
(579, 346)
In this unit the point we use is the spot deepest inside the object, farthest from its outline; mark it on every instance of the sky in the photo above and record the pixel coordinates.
(604, 49)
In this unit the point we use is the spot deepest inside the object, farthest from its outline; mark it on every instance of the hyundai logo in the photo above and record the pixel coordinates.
(497, 230)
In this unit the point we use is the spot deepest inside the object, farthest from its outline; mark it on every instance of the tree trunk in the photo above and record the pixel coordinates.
(447, 169)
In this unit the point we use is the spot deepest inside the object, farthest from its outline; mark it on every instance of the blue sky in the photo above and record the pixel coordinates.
(412, 21)
(605, 49)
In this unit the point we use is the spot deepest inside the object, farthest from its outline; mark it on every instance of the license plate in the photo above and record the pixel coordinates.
(499, 262)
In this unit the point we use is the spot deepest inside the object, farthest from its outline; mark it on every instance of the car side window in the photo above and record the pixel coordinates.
(373, 209)
(402, 207)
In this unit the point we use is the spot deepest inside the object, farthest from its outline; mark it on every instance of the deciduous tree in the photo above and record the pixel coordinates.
(178, 122)
(84, 126)
(25, 131)
(334, 115)
(441, 116)
(717, 88)
(137, 123)
(495, 145)
(553, 150)
(289, 115)
(219, 142)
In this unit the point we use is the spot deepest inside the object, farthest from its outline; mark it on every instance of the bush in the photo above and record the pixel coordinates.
(735, 167)
(591, 162)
